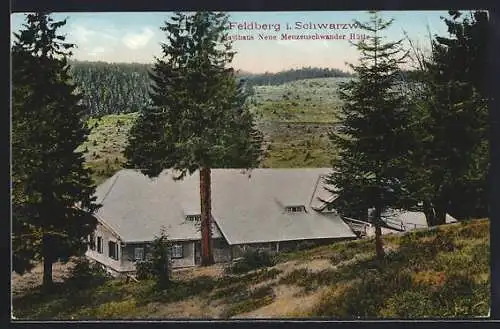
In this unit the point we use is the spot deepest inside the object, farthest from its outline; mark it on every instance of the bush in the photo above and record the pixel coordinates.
(409, 304)
(85, 274)
(297, 277)
(251, 260)
(304, 245)
(254, 300)
(144, 270)
(160, 264)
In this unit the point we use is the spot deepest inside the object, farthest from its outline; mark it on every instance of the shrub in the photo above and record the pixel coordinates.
(304, 245)
(159, 266)
(144, 270)
(116, 309)
(85, 274)
(256, 299)
(182, 289)
(233, 292)
(251, 260)
(408, 304)
(297, 276)
(474, 229)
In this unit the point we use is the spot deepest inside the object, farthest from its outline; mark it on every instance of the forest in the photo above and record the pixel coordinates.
(114, 88)
(110, 88)
(294, 75)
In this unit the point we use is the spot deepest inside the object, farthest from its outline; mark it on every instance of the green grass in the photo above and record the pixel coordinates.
(441, 273)
(250, 301)
(105, 144)
(312, 100)
(430, 273)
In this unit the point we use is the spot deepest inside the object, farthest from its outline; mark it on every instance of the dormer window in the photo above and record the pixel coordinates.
(294, 209)
(193, 218)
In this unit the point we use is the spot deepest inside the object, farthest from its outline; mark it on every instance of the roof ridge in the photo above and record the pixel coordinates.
(314, 191)
(111, 187)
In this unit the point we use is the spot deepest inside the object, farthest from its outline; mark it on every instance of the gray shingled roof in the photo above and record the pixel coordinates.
(247, 207)
(409, 219)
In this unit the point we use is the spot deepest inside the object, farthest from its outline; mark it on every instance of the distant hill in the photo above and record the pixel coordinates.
(294, 75)
(117, 88)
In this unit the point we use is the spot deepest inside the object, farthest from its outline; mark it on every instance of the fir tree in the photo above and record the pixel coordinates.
(198, 119)
(450, 163)
(371, 139)
(52, 192)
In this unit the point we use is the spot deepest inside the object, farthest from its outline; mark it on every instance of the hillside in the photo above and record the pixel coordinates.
(117, 88)
(295, 118)
(443, 272)
(111, 88)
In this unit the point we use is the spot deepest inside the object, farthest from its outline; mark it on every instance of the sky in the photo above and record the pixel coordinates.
(136, 36)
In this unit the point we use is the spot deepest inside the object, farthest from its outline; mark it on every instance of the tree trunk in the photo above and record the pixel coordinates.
(430, 215)
(440, 216)
(206, 217)
(47, 264)
(379, 246)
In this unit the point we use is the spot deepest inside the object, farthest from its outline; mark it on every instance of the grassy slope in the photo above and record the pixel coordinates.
(295, 118)
(104, 147)
(438, 273)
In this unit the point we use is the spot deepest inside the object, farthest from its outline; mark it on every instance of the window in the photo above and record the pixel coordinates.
(99, 244)
(295, 209)
(92, 241)
(138, 254)
(113, 250)
(177, 251)
(193, 218)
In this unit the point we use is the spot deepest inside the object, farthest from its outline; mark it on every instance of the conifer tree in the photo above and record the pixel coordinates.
(52, 192)
(450, 163)
(198, 119)
(371, 139)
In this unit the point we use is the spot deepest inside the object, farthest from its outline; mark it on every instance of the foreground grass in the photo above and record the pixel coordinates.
(436, 273)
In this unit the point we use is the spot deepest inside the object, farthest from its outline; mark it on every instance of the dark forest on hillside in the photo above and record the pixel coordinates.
(112, 88)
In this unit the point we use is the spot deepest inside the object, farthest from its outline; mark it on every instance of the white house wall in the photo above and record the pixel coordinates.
(188, 255)
(128, 262)
(221, 251)
(107, 236)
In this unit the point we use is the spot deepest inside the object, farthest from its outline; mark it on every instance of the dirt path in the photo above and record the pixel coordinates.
(290, 301)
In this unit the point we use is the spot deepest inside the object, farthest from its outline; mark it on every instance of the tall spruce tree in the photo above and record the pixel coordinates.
(199, 118)
(371, 138)
(52, 192)
(451, 161)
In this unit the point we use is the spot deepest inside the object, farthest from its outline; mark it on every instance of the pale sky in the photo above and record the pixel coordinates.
(136, 36)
